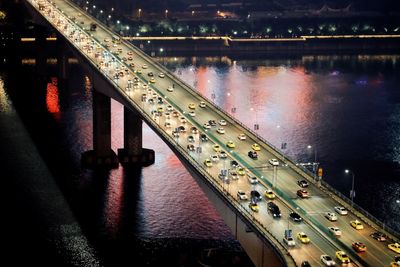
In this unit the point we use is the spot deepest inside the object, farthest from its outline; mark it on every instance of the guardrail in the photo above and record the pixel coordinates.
(199, 168)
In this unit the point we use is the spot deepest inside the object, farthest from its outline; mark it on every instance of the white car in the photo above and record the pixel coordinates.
(289, 241)
(170, 89)
(221, 130)
(327, 260)
(341, 210)
(335, 230)
(214, 158)
(170, 108)
(331, 216)
(222, 122)
(273, 162)
(242, 137)
(252, 179)
(161, 75)
(242, 195)
(192, 114)
(202, 104)
(206, 126)
(182, 119)
(144, 66)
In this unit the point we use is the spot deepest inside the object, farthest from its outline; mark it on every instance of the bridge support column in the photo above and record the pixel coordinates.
(102, 155)
(133, 153)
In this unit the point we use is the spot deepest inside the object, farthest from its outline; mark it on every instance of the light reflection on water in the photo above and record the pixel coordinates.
(346, 108)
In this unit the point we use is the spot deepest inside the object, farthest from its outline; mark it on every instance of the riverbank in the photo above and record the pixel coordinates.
(170, 46)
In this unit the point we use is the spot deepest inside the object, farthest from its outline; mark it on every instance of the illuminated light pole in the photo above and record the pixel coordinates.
(192, 12)
(166, 13)
(352, 192)
(139, 12)
(315, 164)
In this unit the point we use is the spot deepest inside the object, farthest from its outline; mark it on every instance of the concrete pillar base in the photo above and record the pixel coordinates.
(145, 159)
(90, 160)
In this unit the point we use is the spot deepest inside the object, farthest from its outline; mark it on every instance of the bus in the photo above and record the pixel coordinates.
(116, 39)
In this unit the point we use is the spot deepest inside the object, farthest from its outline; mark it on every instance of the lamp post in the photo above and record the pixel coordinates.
(166, 13)
(315, 163)
(352, 192)
(139, 12)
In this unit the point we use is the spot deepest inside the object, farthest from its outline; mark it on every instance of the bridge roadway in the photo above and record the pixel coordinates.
(93, 46)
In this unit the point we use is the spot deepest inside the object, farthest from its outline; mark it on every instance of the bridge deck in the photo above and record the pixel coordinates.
(93, 45)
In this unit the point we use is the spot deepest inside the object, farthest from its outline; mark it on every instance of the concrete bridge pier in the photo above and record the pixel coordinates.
(133, 153)
(102, 155)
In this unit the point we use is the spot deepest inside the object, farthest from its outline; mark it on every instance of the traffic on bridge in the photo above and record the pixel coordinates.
(295, 212)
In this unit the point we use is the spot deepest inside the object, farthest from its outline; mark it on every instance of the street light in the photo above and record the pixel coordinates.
(352, 192)
(139, 11)
(315, 164)
(166, 13)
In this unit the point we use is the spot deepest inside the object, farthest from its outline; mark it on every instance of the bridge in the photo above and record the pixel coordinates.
(184, 119)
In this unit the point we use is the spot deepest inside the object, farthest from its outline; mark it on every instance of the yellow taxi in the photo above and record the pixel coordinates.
(241, 171)
(230, 144)
(216, 148)
(356, 224)
(394, 264)
(256, 147)
(303, 238)
(254, 207)
(160, 109)
(152, 80)
(342, 257)
(208, 163)
(192, 106)
(395, 247)
(269, 194)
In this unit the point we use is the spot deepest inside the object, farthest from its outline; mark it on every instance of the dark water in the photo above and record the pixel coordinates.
(346, 108)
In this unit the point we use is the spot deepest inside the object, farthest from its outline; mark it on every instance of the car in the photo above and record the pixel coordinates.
(150, 74)
(234, 163)
(234, 175)
(170, 89)
(144, 66)
(175, 134)
(222, 122)
(242, 195)
(152, 80)
(341, 210)
(182, 119)
(356, 224)
(302, 183)
(230, 144)
(161, 75)
(303, 238)
(395, 247)
(214, 158)
(359, 247)
(303, 193)
(397, 259)
(273, 162)
(160, 109)
(288, 240)
(342, 256)
(203, 138)
(269, 194)
(138, 71)
(274, 209)
(335, 230)
(294, 216)
(378, 236)
(212, 123)
(190, 147)
(192, 113)
(145, 86)
(181, 129)
(206, 126)
(202, 104)
(175, 113)
(208, 163)
(170, 108)
(252, 154)
(194, 130)
(223, 177)
(192, 106)
(252, 179)
(242, 137)
(241, 171)
(223, 155)
(216, 148)
(395, 264)
(256, 147)
(190, 139)
(254, 207)
(255, 196)
(305, 264)
(330, 216)
(327, 260)
(221, 130)
(167, 124)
